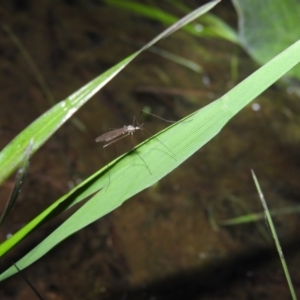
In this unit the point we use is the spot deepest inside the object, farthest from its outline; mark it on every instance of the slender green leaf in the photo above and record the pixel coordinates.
(254, 217)
(177, 59)
(274, 234)
(211, 26)
(20, 177)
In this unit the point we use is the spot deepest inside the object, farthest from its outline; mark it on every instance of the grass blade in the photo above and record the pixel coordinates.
(212, 27)
(20, 177)
(274, 234)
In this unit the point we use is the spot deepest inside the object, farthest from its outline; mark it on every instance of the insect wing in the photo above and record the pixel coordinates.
(110, 135)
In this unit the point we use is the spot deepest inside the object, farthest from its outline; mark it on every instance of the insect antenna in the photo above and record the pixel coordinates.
(142, 129)
(150, 133)
(146, 112)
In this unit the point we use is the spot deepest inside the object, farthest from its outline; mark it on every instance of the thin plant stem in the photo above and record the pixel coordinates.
(273, 231)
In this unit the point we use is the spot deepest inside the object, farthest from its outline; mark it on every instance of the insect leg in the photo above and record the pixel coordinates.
(106, 156)
(138, 154)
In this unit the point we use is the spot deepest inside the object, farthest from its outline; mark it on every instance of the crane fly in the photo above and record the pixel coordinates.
(112, 136)
(117, 134)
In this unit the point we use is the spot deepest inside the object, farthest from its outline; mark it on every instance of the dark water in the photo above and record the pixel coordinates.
(161, 244)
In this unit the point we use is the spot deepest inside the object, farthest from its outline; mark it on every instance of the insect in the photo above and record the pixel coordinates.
(112, 136)
(117, 134)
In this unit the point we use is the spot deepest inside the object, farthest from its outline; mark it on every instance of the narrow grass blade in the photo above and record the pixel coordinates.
(20, 177)
(170, 56)
(38, 75)
(274, 234)
(177, 59)
(249, 218)
(212, 27)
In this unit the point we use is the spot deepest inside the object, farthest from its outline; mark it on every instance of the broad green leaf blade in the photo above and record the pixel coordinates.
(95, 182)
(268, 27)
(129, 175)
(41, 129)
